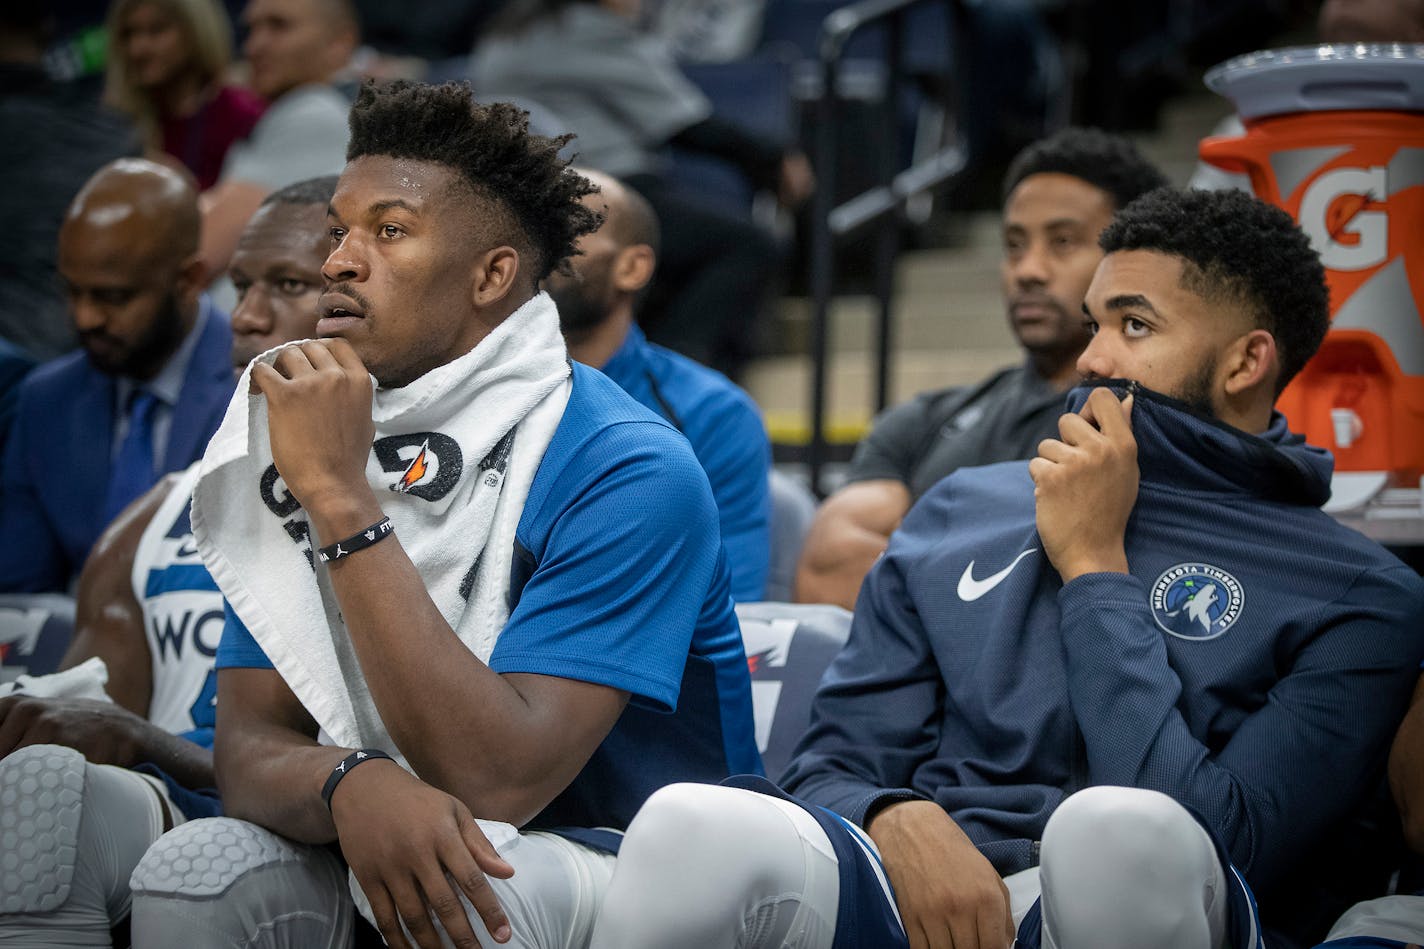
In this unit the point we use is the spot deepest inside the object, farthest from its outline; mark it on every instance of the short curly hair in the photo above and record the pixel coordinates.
(1238, 250)
(1109, 162)
(493, 151)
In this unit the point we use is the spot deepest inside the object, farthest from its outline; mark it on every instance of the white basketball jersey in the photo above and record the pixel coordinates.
(182, 616)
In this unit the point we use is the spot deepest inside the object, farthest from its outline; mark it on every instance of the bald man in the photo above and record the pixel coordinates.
(96, 428)
(597, 303)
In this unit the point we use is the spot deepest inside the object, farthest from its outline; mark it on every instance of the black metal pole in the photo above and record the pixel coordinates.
(887, 238)
(882, 205)
(822, 265)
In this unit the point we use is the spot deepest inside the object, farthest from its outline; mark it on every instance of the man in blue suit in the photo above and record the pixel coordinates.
(96, 428)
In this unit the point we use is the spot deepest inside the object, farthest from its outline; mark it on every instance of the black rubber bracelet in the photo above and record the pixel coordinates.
(343, 769)
(374, 534)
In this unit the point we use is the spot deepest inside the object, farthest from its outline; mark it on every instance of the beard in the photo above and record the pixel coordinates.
(582, 305)
(242, 354)
(145, 355)
(1195, 392)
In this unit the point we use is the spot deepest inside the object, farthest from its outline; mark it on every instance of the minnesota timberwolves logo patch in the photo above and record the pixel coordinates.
(1196, 601)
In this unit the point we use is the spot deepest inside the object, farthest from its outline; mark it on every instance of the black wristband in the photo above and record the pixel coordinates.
(374, 534)
(343, 769)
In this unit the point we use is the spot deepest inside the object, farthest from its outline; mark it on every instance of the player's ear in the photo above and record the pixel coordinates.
(191, 279)
(1251, 362)
(495, 273)
(633, 268)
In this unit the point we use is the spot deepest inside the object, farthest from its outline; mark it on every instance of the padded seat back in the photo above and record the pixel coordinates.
(35, 630)
(789, 646)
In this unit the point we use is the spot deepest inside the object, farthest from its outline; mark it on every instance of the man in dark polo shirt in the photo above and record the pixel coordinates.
(1059, 194)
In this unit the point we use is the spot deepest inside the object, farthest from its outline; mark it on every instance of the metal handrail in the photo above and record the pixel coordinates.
(881, 205)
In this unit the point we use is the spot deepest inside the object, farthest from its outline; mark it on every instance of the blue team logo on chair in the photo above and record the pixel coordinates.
(1196, 601)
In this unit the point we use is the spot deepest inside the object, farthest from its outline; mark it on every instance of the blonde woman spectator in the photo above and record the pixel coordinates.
(167, 62)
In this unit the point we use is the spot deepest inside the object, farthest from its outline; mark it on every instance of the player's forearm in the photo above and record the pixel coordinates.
(833, 570)
(851, 530)
(462, 727)
(1406, 771)
(189, 764)
(1125, 695)
(273, 777)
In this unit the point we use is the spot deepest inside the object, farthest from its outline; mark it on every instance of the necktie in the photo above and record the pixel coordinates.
(133, 472)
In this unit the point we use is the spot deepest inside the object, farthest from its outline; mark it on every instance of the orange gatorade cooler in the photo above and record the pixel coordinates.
(1335, 136)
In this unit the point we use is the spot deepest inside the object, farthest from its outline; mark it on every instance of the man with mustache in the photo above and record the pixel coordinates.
(96, 428)
(1059, 193)
(149, 609)
(463, 576)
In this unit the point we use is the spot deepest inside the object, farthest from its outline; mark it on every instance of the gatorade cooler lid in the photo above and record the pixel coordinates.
(1323, 78)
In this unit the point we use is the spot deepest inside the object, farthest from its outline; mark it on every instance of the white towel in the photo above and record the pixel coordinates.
(84, 681)
(442, 467)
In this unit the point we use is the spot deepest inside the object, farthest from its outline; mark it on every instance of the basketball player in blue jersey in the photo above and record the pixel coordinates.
(1130, 676)
(114, 775)
(478, 609)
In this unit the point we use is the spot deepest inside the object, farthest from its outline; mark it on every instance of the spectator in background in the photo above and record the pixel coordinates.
(52, 138)
(94, 429)
(597, 301)
(294, 48)
(1059, 194)
(623, 96)
(168, 60)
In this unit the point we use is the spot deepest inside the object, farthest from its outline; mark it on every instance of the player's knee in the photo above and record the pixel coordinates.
(1126, 825)
(41, 803)
(1124, 867)
(223, 881)
(679, 820)
(204, 858)
(695, 828)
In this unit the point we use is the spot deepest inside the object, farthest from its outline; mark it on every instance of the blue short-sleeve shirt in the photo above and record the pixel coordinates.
(619, 579)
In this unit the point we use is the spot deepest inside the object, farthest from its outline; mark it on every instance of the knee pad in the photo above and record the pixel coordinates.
(41, 801)
(225, 882)
(1123, 821)
(1129, 867)
(203, 858)
(676, 811)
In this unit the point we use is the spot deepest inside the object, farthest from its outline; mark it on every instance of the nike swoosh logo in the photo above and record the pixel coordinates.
(971, 589)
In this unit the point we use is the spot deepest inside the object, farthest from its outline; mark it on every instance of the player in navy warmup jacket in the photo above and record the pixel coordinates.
(1057, 665)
